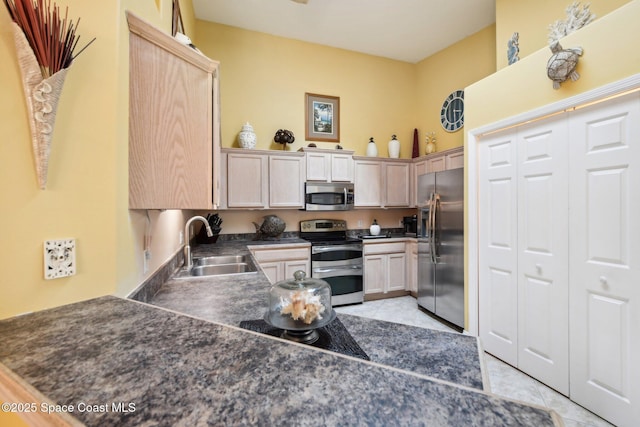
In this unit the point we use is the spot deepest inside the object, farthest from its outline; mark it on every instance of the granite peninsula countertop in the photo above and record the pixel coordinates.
(189, 364)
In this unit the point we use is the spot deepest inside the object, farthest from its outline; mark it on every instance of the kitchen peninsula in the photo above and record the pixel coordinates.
(189, 364)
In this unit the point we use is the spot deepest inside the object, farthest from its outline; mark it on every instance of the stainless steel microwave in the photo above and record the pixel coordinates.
(328, 196)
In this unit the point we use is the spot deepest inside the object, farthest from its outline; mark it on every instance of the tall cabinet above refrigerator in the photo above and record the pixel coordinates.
(441, 244)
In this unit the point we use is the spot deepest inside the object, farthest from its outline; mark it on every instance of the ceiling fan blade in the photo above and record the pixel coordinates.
(301, 1)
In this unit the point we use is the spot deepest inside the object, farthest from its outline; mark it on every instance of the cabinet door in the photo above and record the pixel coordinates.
(318, 166)
(286, 181)
(273, 271)
(543, 276)
(247, 177)
(419, 168)
(396, 272)
(437, 164)
(171, 145)
(412, 267)
(291, 267)
(341, 168)
(497, 246)
(605, 259)
(454, 160)
(397, 184)
(367, 183)
(375, 273)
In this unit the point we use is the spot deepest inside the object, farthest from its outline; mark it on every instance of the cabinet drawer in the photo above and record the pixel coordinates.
(281, 254)
(383, 248)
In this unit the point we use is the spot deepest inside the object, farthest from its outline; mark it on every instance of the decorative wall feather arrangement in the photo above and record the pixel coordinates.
(45, 44)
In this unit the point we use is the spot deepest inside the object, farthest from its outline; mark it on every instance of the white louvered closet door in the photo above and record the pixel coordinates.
(605, 259)
(498, 246)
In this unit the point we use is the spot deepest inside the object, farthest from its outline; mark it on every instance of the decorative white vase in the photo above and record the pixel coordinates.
(247, 137)
(394, 147)
(372, 149)
(374, 229)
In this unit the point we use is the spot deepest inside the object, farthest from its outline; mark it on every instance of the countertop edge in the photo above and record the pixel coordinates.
(14, 389)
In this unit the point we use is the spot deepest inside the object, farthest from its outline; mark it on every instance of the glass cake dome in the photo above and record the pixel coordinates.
(299, 306)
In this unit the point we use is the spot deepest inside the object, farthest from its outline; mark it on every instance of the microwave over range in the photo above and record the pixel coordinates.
(328, 196)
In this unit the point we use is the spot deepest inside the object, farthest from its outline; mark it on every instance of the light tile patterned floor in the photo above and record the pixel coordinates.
(505, 380)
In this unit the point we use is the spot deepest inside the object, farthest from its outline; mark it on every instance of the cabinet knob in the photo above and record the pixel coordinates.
(603, 280)
(539, 268)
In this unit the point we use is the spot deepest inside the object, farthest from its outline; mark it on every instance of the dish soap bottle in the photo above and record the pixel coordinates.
(374, 229)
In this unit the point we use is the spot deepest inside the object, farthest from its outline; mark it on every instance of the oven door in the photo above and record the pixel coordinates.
(340, 266)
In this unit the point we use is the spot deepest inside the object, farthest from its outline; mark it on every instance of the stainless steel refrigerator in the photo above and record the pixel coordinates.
(441, 244)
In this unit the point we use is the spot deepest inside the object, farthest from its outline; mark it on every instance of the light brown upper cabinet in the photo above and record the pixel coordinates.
(174, 122)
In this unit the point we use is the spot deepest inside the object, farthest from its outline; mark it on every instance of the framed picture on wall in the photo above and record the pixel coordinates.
(322, 117)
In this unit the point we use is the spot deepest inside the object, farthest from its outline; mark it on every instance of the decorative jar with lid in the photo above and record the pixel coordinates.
(372, 150)
(247, 137)
(394, 147)
(300, 306)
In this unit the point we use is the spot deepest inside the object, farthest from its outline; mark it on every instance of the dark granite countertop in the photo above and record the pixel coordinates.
(231, 299)
(188, 363)
(173, 369)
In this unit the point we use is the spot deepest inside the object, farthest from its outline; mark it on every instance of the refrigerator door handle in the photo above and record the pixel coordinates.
(430, 228)
(435, 203)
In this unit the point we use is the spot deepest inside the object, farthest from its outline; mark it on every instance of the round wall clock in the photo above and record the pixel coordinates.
(452, 113)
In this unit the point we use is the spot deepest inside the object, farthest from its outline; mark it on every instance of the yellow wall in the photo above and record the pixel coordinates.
(531, 19)
(453, 68)
(264, 79)
(86, 195)
(524, 86)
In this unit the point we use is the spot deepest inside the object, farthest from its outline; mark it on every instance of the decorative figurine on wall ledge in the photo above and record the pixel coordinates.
(576, 19)
(562, 64)
(394, 148)
(284, 137)
(247, 137)
(513, 48)
(431, 143)
(372, 149)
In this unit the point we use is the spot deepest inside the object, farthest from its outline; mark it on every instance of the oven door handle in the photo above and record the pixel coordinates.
(325, 249)
(354, 270)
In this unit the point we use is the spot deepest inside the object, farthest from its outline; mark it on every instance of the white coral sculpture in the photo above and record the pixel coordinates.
(576, 18)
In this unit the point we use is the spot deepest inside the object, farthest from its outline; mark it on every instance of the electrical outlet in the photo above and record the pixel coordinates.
(59, 258)
(145, 263)
(400, 223)
(360, 223)
(181, 237)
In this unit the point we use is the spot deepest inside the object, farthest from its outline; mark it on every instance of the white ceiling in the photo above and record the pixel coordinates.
(405, 30)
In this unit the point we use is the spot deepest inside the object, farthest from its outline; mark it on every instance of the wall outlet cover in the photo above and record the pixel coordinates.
(59, 258)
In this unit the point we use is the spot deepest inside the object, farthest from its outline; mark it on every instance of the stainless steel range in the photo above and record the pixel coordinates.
(335, 258)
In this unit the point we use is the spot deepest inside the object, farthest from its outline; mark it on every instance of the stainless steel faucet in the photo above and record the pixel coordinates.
(188, 261)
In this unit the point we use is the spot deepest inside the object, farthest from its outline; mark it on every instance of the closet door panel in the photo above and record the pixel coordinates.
(497, 234)
(543, 289)
(605, 258)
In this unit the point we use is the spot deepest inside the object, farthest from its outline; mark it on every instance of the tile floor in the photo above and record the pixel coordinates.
(504, 379)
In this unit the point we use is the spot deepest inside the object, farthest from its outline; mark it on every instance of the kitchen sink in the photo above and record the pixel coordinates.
(222, 259)
(219, 266)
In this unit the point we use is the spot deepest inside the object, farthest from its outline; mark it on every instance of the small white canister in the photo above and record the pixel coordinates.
(375, 228)
(247, 137)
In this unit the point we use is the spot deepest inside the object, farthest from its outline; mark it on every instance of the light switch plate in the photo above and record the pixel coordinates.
(59, 258)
